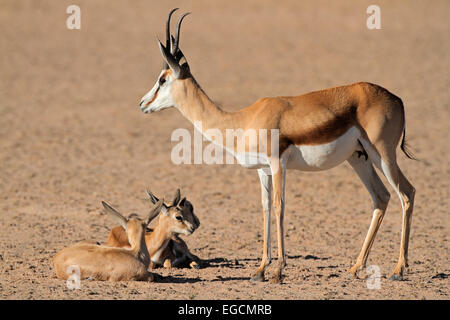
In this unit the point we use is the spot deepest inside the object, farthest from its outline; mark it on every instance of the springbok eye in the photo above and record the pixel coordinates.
(179, 218)
(161, 81)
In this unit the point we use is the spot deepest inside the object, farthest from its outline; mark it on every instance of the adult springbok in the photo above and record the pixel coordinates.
(101, 262)
(360, 123)
(164, 245)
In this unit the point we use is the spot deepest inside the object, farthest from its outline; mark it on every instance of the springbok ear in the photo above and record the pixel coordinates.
(182, 202)
(176, 198)
(154, 199)
(116, 215)
(155, 211)
(170, 60)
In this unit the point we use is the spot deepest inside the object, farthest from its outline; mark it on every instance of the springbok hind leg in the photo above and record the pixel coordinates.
(406, 193)
(380, 198)
(384, 157)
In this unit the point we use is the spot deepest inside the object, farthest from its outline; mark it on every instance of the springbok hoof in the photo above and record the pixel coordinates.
(396, 277)
(357, 267)
(276, 279)
(354, 272)
(258, 277)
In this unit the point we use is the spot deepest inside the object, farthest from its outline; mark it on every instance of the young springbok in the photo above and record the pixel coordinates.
(100, 262)
(317, 131)
(163, 243)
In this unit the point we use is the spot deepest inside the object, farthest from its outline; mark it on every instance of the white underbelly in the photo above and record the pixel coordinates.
(252, 160)
(307, 158)
(324, 156)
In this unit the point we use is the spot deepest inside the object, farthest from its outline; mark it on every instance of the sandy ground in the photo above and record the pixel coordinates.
(71, 135)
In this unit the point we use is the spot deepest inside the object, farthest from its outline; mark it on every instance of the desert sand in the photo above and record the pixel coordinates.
(72, 135)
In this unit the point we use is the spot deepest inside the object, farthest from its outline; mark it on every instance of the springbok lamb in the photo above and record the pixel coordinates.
(164, 245)
(100, 262)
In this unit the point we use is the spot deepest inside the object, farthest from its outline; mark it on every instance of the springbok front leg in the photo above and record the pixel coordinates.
(278, 168)
(380, 197)
(266, 199)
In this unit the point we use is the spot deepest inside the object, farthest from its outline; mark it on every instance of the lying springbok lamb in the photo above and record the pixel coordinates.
(100, 262)
(163, 243)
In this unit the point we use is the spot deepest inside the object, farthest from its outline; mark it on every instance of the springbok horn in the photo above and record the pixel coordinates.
(177, 37)
(165, 65)
(179, 54)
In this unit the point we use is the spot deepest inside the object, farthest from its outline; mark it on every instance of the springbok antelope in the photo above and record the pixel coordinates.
(101, 262)
(164, 245)
(317, 131)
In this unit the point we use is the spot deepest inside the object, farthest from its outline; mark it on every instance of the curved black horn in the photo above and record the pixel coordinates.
(179, 54)
(168, 27)
(165, 65)
(177, 37)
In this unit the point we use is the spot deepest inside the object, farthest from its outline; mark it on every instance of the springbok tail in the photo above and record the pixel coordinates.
(404, 146)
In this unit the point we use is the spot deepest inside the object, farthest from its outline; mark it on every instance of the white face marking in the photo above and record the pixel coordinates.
(163, 94)
(324, 156)
(181, 231)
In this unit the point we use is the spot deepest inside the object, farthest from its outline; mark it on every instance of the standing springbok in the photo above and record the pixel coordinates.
(317, 131)
(163, 243)
(106, 263)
